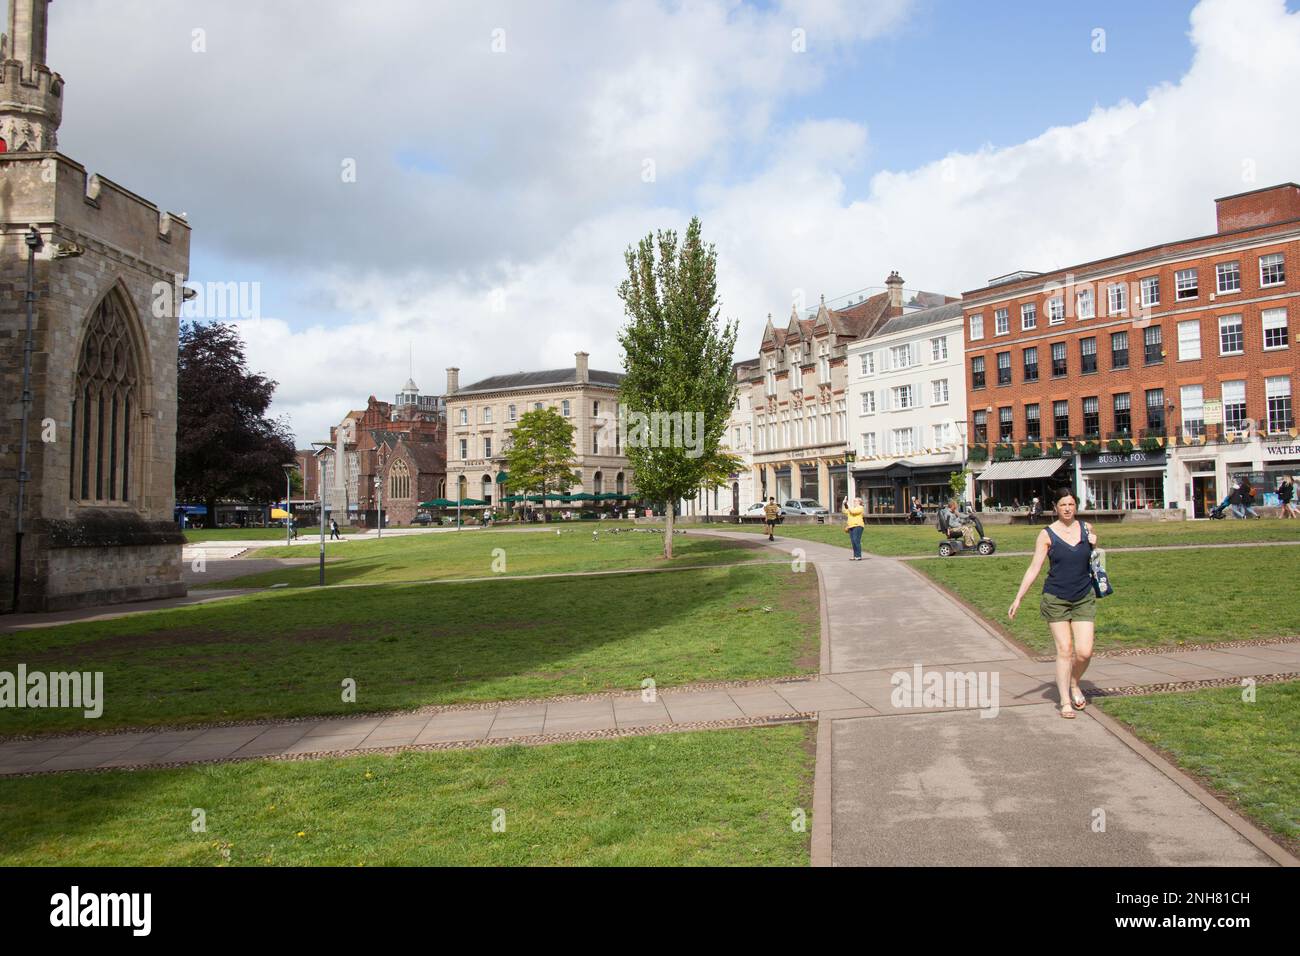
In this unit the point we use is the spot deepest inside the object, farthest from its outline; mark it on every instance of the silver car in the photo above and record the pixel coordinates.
(804, 506)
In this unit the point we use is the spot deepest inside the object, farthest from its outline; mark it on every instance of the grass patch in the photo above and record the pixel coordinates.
(909, 540)
(472, 554)
(284, 654)
(1161, 598)
(1248, 751)
(718, 798)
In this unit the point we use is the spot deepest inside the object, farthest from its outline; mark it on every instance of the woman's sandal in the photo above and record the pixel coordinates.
(1067, 713)
(1080, 702)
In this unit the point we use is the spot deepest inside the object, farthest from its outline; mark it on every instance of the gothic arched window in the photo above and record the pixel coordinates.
(399, 480)
(105, 409)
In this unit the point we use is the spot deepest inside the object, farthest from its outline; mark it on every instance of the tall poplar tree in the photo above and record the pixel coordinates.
(678, 359)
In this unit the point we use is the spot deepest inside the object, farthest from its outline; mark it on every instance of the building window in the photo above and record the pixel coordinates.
(1059, 365)
(1277, 391)
(1193, 411)
(1186, 284)
(464, 416)
(1272, 269)
(868, 363)
(1055, 310)
(1033, 426)
(1088, 354)
(512, 413)
(1085, 307)
(487, 414)
(980, 433)
(1061, 419)
(1004, 368)
(868, 443)
(940, 387)
(464, 449)
(399, 480)
(769, 377)
(1119, 350)
(1227, 277)
(487, 447)
(1004, 424)
(939, 348)
(977, 372)
(1028, 317)
(943, 434)
(1156, 410)
(1152, 350)
(868, 403)
(902, 397)
(564, 408)
(1189, 340)
(595, 409)
(1001, 322)
(900, 356)
(1231, 337)
(1117, 299)
(1275, 330)
(1150, 291)
(1123, 413)
(904, 441)
(1091, 417)
(104, 407)
(976, 327)
(1031, 364)
(1234, 404)
(796, 370)
(595, 442)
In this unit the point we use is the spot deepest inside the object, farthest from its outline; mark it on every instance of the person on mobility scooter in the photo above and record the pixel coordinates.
(962, 532)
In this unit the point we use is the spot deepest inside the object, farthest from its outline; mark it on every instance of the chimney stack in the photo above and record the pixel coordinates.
(895, 286)
(453, 381)
(581, 374)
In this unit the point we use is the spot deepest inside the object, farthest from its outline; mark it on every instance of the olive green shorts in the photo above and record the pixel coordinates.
(1054, 608)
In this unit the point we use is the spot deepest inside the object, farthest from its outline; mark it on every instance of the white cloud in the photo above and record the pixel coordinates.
(530, 180)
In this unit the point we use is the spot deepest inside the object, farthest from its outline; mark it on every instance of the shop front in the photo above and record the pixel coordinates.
(1014, 484)
(891, 488)
(1123, 482)
(1281, 460)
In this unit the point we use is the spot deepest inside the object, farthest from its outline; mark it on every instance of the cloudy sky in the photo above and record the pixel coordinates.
(456, 181)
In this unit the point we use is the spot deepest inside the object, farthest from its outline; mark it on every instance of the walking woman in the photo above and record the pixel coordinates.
(1068, 604)
(854, 525)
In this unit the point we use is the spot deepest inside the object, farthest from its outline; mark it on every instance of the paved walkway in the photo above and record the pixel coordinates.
(953, 788)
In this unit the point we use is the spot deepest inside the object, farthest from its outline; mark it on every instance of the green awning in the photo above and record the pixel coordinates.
(438, 503)
(471, 502)
(502, 477)
(582, 496)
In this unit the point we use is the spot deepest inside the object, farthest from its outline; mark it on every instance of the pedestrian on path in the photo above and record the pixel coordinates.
(1286, 495)
(334, 530)
(854, 525)
(1068, 604)
(771, 512)
(1248, 499)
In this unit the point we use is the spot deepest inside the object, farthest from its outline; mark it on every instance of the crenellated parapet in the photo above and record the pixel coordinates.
(31, 107)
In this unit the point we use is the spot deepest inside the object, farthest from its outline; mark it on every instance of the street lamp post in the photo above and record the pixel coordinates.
(288, 522)
(320, 487)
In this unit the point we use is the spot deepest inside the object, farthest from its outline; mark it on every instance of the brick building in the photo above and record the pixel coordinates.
(1149, 378)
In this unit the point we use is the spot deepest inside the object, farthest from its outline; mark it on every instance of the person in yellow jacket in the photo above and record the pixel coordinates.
(771, 512)
(854, 525)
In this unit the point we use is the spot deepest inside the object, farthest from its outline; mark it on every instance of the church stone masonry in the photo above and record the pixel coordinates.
(101, 436)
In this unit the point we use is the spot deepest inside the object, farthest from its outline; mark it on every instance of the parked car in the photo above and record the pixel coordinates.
(756, 510)
(804, 506)
(422, 517)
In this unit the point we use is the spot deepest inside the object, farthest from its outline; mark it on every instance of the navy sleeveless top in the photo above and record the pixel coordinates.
(1069, 575)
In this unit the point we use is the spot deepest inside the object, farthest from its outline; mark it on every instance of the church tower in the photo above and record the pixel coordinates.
(87, 487)
(31, 97)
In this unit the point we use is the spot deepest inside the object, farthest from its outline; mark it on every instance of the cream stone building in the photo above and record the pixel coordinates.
(88, 485)
(799, 396)
(737, 439)
(481, 416)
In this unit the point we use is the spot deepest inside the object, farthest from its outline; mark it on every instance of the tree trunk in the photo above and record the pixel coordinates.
(668, 531)
(210, 519)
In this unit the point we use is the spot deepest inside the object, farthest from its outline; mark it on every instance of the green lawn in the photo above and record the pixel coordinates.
(1250, 751)
(472, 554)
(284, 654)
(719, 798)
(1161, 597)
(904, 540)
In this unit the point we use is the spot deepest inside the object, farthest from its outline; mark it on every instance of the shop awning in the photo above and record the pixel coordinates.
(1014, 470)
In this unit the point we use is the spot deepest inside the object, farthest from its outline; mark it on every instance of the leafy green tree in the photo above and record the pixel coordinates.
(539, 454)
(678, 360)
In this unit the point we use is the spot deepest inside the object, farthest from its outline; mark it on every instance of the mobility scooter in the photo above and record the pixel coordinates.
(950, 546)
